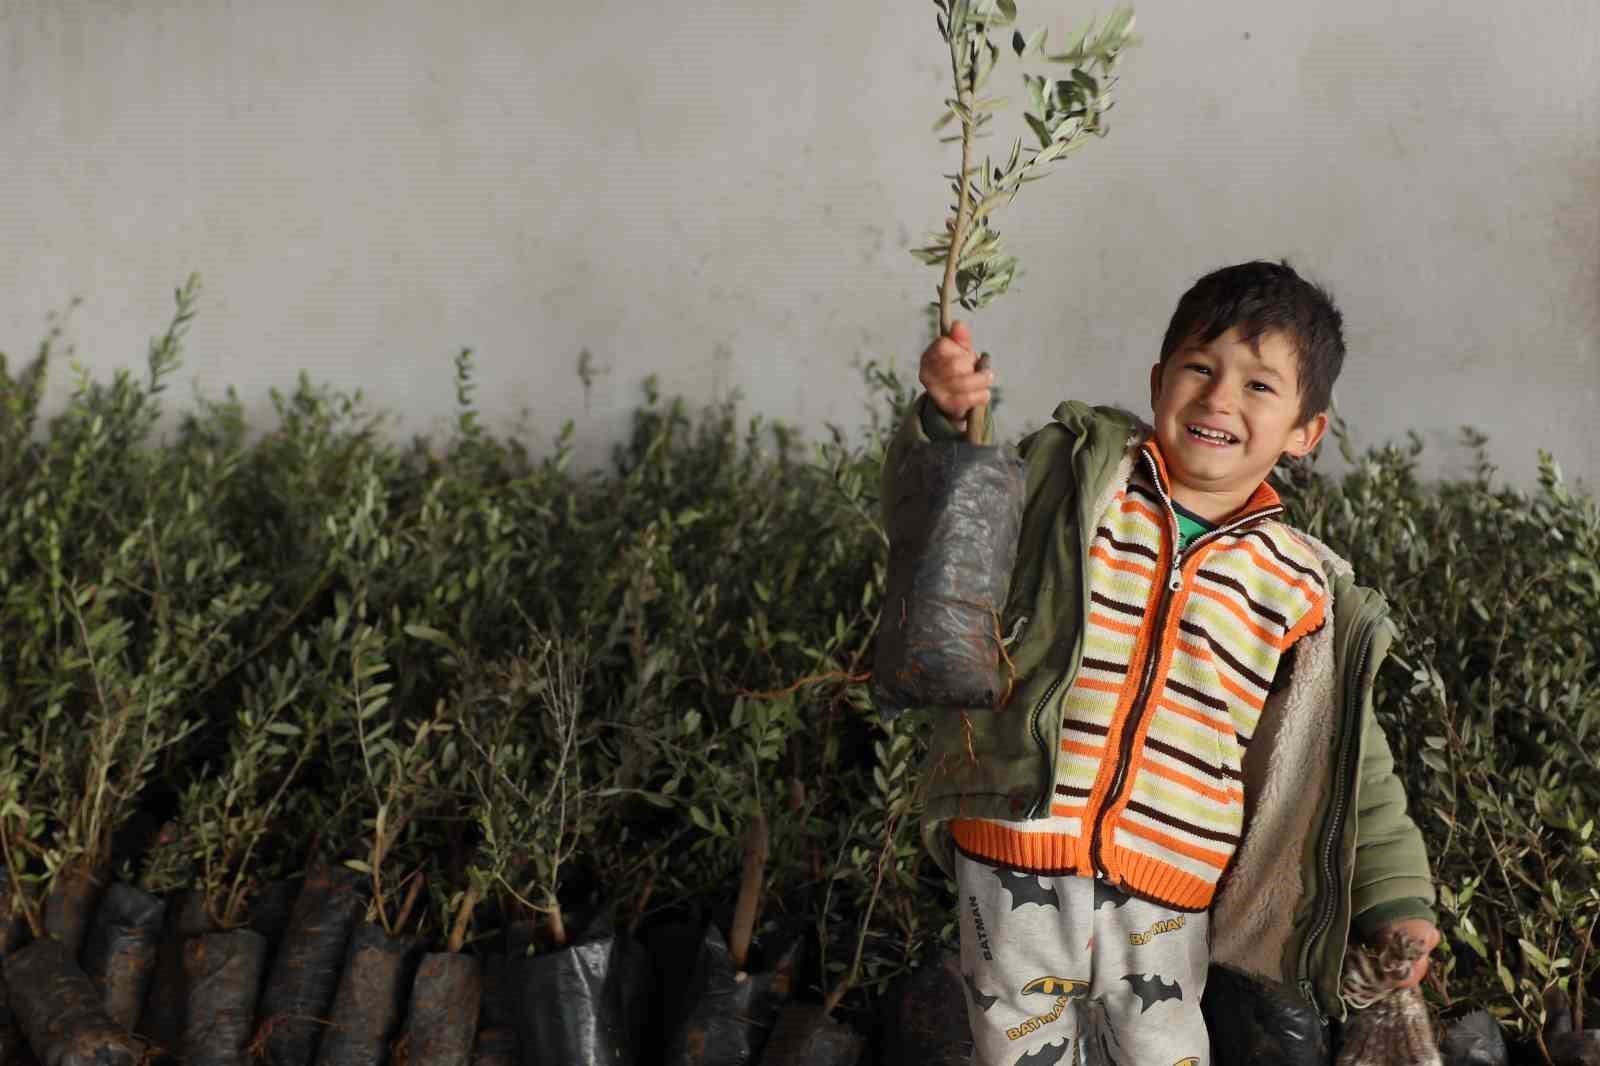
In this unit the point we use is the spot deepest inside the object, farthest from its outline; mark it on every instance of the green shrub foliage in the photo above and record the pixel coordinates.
(507, 689)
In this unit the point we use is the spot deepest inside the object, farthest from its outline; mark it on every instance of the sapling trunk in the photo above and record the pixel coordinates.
(555, 924)
(749, 899)
(463, 920)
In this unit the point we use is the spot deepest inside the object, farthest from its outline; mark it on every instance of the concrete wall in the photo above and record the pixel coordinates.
(722, 194)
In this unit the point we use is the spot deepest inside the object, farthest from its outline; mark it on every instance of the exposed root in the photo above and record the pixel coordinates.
(814, 679)
(1005, 659)
(257, 1049)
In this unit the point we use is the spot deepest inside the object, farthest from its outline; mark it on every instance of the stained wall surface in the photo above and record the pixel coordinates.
(723, 195)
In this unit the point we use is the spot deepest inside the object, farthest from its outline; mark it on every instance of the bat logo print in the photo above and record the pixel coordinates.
(1152, 989)
(1057, 986)
(1025, 888)
(1192, 1060)
(984, 1002)
(1106, 892)
(1048, 1055)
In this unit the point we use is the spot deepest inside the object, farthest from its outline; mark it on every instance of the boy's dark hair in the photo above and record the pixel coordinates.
(1261, 298)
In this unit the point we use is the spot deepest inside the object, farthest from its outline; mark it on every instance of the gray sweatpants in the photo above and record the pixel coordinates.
(1052, 963)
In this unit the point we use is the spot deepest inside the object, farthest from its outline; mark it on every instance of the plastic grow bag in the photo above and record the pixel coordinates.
(496, 1046)
(120, 953)
(582, 1005)
(952, 544)
(166, 1004)
(59, 1010)
(804, 1036)
(730, 1014)
(222, 972)
(1249, 1021)
(925, 1021)
(371, 999)
(304, 974)
(69, 906)
(442, 1022)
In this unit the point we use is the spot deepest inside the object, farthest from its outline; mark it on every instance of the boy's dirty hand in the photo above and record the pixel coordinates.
(949, 371)
(1418, 929)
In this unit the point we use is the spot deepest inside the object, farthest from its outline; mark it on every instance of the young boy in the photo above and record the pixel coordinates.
(1187, 770)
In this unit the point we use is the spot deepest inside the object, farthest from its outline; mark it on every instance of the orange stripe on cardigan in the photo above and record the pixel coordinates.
(1122, 564)
(1266, 637)
(1171, 843)
(1310, 591)
(1096, 685)
(1127, 629)
(1193, 715)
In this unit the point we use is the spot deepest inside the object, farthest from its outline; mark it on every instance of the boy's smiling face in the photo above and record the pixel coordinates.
(1224, 413)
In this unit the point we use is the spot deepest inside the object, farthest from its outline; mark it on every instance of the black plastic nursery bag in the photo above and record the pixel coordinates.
(805, 1036)
(731, 1014)
(952, 543)
(305, 971)
(59, 1010)
(223, 977)
(442, 1023)
(582, 1005)
(1252, 1022)
(120, 953)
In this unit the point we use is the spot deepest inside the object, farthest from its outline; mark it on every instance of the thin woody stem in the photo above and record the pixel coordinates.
(977, 418)
(458, 931)
(744, 911)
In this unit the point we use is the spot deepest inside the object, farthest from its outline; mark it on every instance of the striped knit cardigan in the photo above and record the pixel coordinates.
(1179, 653)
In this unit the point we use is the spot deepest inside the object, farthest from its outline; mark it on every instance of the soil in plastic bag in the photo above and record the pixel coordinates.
(69, 906)
(496, 1046)
(371, 1000)
(120, 953)
(1249, 1021)
(730, 1014)
(582, 1005)
(442, 1023)
(304, 974)
(60, 1011)
(166, 1004)
(804, 1036)
(952, 545)
(223, 974)
(925, 1018)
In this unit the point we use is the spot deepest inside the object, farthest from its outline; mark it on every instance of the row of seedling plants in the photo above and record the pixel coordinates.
(428, 919)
